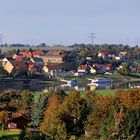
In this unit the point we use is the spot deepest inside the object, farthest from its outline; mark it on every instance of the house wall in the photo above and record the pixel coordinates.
(7, 65)
(52, 59)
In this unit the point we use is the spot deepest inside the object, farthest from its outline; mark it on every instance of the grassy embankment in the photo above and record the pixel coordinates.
(115, 77)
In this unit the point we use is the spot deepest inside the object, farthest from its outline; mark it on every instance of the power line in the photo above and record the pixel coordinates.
(92, 36)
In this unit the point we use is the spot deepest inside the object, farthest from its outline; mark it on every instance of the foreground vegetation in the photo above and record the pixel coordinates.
(61, 116)
(8, 133)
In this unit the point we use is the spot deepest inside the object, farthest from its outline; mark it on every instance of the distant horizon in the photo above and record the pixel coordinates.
(66, 22)
(62, 45)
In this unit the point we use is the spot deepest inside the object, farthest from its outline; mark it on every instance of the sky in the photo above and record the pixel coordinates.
(70, 21)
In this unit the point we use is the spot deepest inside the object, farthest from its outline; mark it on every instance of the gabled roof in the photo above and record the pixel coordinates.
(19, 65)
(54, 56)
(19, 58)
(36, 59)
(55, 52)
(31, 65)
(37, 52)
(108, 65)
(27, 54)
(54, 67)
(83, 67)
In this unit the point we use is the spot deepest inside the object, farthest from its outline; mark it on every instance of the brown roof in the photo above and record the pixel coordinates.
(19, 64)
(54, 67)
(37, 52)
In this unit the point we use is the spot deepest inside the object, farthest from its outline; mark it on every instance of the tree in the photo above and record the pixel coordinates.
(25, 101)
(74, 111)
(100, 120)
(3, 119)
(52, 125)
(37, 110)
(2, 72)
(129, 127)
(129, 98)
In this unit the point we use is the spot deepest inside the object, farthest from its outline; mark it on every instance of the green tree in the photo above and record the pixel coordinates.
(74, 111)
(37, 110)
(129, 127)
(2, 72)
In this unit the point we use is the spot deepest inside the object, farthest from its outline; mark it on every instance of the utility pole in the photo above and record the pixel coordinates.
(1, 39)
(92, 36)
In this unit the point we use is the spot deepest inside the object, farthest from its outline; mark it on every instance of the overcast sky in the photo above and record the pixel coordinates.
(70, 21)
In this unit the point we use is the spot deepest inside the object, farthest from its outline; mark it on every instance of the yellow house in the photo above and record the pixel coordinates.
(7, 65)
(52, 59)
(10, 65)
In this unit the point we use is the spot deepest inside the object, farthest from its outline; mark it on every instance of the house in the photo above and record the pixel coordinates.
(123, 55)
(78, 74)
(109, 67)
(111, 56)
(32, 67)
(56, 52)
(18, 121)
(37, 61)
(37, 53)
(56, 70)
(100, 68)
(93, 70)
(52, 59)
(84, 69)
(117, 58)
(53, 68)
(14, 56)
(102, 54)
(26, 54)
(9, 65)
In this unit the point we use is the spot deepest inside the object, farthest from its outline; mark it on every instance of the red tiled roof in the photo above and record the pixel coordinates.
(19, 58)
(108, 65)
(37, 52)
(83, 67)
(26, 54)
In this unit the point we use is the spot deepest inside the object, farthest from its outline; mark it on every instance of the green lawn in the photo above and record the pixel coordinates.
(105, 92)
(100, 92)
(7, 133)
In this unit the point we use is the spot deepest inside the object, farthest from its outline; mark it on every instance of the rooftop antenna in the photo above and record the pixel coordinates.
(1, 39)
(92, 36)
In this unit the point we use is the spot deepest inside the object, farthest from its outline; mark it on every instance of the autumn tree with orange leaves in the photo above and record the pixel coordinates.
(52, 125)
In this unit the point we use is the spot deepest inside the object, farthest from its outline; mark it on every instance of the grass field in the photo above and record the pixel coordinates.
(100, 92)
(5, 49)
(8, 133)
(105, 92)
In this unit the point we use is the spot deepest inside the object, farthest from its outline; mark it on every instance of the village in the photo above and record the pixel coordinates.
(61, 63)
